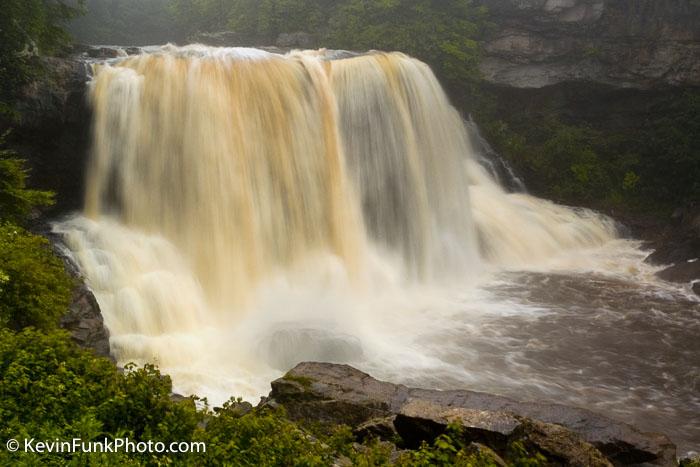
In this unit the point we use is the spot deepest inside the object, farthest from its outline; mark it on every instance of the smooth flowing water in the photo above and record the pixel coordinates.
(246, 211)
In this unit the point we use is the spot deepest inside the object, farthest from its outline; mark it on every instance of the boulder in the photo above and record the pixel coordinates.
(84, 322)
(105, 52)
(84, 318)
(339, 394)
(297, 40)
(558, 445)
(419, 420)
(678, 248)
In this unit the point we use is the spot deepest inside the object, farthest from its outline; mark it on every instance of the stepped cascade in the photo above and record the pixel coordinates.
(245, 210)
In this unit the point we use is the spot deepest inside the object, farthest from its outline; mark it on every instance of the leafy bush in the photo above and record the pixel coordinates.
(262, 437)
(16, 200)
(451, 449)
(51, 389)
(34, 287)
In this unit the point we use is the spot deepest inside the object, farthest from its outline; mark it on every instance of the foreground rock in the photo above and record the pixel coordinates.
(84, 318)
(339, 394)
(678, 247)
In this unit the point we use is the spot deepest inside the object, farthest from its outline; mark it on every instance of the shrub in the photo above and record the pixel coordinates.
(16, 200)
(51, 389)
(34, 287)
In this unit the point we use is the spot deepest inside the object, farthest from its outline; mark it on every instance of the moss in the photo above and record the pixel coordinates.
(304, 381)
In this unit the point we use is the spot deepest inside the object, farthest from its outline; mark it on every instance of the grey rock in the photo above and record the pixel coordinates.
(84, 318)
(339, 394)
(558, 444)
(229, 39)
(53, 129)
(84, 321)
(301, 40)
(625, 43)
(678, 248)
(381, 428)
(105, 52)
(420, 420)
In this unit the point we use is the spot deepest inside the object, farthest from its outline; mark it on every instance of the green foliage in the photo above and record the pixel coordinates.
(263, 437)
(30, 28)
(140, 405)
(451, 449)
(654, 167)
(34, 288)
(16, 200)
(442, 33)
(126, 22)
(50, 389)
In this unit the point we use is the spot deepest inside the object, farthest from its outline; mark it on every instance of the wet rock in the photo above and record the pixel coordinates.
(339, 394)
(420, 420)
(84, 318)
(229, 39)
(85, 323)
(53, 129)
(558, 445)
(104, 52)
(678, 247)
(693, 461)
(300, 40)
(381, 428)
(683, 272)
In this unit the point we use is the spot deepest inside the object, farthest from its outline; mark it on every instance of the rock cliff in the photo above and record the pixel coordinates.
(624, 43)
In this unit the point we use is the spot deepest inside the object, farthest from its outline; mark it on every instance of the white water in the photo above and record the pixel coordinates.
(247, 211)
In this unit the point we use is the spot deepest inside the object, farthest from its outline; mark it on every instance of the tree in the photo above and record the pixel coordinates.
(30, 28)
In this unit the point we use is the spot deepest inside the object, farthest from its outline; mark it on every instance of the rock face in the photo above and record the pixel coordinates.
(284, 42)
(625, 43)
(678, 247)
(53, 131)
(84, 321)
(84, 317)
(340, 394)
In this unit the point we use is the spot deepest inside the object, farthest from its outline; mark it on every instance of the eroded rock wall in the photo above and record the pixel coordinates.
(625, 43)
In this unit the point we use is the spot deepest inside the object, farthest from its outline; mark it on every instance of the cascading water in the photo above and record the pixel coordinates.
(246, 211)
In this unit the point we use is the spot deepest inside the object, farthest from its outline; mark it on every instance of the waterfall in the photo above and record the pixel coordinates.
(220, 178)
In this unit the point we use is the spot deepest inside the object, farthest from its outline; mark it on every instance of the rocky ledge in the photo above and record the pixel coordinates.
(624, 43)
(332, 394)
(83, 320)
(677, 246)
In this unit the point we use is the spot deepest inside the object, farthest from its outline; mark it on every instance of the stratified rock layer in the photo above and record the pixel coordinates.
(625, 43)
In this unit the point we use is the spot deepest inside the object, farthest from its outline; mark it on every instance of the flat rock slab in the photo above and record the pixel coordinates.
(340, 394)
